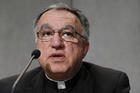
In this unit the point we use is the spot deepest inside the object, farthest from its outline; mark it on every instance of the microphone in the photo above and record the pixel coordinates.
(35, 54)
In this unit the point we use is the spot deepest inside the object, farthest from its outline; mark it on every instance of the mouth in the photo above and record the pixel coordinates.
(59, 57)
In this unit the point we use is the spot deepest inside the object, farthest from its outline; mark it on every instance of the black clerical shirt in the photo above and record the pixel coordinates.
(90, 79)
(78, 84)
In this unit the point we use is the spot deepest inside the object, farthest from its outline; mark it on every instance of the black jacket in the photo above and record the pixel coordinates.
(90, 79)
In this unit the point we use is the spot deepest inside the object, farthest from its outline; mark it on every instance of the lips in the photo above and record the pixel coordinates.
(57, 57)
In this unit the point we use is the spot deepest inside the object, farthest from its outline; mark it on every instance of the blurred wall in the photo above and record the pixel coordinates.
(114, 36)
(16, 33)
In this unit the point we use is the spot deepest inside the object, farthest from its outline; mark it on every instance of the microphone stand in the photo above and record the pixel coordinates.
(22, 73)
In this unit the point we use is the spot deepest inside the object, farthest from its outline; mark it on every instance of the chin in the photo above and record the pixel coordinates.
(55, 68)
(59, 69)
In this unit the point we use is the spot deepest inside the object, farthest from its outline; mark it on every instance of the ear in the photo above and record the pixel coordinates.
(86, 47)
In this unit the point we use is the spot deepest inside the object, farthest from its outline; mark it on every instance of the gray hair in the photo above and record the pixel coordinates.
(61, 6)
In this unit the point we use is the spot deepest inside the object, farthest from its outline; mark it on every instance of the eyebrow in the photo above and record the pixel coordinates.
(47, 26)
(69, 27)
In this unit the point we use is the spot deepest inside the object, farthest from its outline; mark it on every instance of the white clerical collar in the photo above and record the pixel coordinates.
(60, 84)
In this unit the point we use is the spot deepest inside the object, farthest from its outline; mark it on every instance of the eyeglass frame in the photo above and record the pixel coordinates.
(67, 26)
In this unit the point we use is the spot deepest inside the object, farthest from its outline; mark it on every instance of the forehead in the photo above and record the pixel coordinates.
(58, 17)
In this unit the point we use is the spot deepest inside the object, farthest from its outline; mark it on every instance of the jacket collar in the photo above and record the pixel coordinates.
(35, 83)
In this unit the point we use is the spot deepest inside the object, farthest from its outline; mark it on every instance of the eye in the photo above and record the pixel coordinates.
(46, 33)
(68, 34)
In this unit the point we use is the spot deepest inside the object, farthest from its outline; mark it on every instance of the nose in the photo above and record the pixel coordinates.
(57, 42)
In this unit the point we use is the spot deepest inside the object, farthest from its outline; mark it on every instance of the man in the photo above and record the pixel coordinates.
(62, 37)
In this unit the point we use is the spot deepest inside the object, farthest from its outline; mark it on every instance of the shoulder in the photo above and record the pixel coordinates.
(6, 83)
(101, 71)
(107, 78)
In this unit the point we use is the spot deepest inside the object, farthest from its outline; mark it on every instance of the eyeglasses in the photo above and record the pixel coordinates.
(68, 33)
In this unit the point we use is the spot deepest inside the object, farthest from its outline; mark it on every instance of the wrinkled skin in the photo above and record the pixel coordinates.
(61, 59)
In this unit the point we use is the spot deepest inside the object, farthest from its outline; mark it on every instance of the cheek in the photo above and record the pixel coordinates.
(74, 52)
(44, 49)
(43, 46)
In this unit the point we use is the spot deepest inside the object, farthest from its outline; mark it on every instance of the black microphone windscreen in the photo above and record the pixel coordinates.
(36, 53)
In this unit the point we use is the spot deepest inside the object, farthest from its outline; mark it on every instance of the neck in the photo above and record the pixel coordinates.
(62, 76)
(54, 80)
(59, 76)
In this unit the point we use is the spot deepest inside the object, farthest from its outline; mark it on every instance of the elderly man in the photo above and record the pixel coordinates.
(62, 37)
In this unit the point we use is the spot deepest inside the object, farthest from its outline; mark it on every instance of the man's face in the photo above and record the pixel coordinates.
(59, 56)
